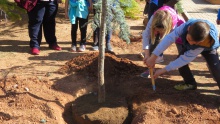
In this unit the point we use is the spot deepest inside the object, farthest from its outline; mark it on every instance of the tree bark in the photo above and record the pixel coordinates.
(101, 79)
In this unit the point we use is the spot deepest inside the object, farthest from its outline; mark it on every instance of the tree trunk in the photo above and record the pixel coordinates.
(101, 81)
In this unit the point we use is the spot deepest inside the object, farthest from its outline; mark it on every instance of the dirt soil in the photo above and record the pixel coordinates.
(56, 86)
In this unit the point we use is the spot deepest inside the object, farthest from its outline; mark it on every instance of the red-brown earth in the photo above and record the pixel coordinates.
(59, 87)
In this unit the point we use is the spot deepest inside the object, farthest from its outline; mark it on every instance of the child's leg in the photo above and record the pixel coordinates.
(96, 37)
(83, 30)
(152, 47)
(213, 62)
(108, 36)
(95, 34)
(152, 8)
(185, 71)
(187, 75)
(74, 29)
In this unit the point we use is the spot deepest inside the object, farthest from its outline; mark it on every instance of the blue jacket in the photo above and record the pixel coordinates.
(154, 1)
(78, 8)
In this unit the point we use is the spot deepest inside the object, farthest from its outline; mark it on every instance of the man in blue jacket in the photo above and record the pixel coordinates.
(199, 37)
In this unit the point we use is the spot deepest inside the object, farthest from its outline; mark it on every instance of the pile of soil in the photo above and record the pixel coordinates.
(88, 63)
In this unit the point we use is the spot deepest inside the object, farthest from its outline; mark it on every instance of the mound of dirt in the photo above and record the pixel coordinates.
(88, 63)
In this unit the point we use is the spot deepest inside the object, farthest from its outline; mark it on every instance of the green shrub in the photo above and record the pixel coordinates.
(11, 10)
(131, 8)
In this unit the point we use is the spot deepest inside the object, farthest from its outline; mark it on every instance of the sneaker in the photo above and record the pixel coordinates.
(109, 47)
(95, 48)
(185, 86)
(159, 59)
(145, 74)
(73, 48)
(82, 48)
(55, 47)
(35, 51)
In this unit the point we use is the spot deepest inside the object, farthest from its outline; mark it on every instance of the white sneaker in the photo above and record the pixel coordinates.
(73, 48)
(159, 59)
(109, 47)
(95, 48)
(82, 48)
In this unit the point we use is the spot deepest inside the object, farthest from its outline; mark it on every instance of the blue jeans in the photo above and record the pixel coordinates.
(42, 16)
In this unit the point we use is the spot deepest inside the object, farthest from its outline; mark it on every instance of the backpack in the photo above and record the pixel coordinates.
(26, 4)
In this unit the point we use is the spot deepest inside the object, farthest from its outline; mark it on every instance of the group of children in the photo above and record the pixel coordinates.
(78, 11)
(194, 37)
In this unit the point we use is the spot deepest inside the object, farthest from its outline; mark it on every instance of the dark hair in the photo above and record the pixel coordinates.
(159, 25)
(199, 31)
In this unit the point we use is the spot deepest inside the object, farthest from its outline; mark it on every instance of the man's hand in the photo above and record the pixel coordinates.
(159, 72)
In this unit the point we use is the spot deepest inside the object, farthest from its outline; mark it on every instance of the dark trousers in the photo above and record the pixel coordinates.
(153, 7)
(213, 63)
(83, 30)
(43, 15)
(96, 37)
(96, 34)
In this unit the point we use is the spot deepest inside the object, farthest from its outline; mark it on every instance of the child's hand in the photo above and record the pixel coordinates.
(159, 72)
(151, 61)
(145, 58)
(146, 55)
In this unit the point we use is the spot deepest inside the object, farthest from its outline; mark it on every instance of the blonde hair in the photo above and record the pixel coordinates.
(161, 19)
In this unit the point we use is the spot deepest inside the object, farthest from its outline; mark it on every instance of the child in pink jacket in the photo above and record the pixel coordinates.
(162, 22)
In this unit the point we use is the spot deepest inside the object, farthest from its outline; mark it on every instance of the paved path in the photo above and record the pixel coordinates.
(201, 9)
